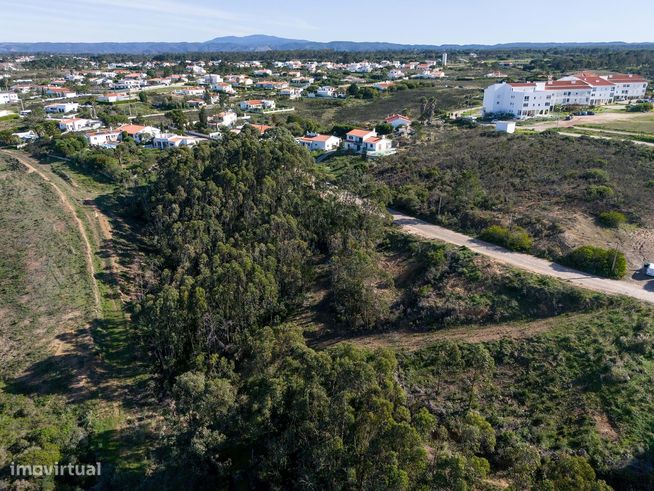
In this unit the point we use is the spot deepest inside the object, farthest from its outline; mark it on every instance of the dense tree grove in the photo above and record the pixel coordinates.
(234, 227)
(234, 231)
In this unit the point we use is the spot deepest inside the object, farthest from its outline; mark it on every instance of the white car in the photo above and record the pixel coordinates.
(649, 269)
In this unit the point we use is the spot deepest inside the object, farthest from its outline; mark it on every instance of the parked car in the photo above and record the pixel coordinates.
(649, 269)
(569, 117)
(591, 113)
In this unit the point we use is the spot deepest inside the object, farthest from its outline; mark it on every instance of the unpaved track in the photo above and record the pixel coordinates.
(644, 292)
(75, 348)
(88, 250)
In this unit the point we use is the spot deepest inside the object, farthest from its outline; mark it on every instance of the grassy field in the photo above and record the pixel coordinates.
(641, 123)
(45, 290)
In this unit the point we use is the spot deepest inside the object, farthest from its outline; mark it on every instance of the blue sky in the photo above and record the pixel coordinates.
(401, 21)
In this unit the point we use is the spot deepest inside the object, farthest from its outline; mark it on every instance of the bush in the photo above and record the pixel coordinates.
(517, 239)
(609, 263)
(596, 175)
(612, 219)
(596, 192)
(642, 107)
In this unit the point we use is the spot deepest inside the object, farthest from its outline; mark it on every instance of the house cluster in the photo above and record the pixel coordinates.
(529, 99)
(362, 141)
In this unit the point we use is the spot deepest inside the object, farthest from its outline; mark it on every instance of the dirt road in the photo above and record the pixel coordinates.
(524, 261)
(88, 250)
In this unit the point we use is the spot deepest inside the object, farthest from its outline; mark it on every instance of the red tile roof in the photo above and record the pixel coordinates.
(130, 129)
(566, 84)
(360, 133)
(393, 117)
(621, 78)
(315, 138)
(596, 81)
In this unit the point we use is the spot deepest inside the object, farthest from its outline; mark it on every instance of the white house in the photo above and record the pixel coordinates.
(171, 140)
(367, 142)
(383, 85)
(291, 92)
(627, 86)
(271, 85)
(223, 87)
(190, 91)
(78, 124)
(114, 97)
(398, 120)
(319, 142)
(395, 74)
(127, 84)
(26, 136)
(141, 134)
(523, 100)
(102, 137)
(62, 92)
(8, 97)
(227, 118)
(262, 73)
(64, 107)
(212, 78)
(326, 91)
(257, 105)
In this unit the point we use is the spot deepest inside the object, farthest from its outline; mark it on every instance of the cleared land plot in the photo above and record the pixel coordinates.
(636, 123)
(331, 111)
(45, 288)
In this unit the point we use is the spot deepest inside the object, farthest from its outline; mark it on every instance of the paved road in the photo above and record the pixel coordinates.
(426, 230)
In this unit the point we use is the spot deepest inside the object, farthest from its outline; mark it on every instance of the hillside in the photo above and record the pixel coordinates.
(260, 42)
(553, 186)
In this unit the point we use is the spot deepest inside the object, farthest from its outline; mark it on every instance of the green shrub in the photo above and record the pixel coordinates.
(612, 219)
(596, 175)
(642, 107)
(598, 191)
(516, 239)
(610, 263)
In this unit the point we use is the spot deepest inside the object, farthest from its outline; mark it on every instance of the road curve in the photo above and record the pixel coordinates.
(536, 265)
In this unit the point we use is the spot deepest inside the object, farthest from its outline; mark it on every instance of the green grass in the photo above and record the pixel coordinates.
(637, 123)
(44, 284)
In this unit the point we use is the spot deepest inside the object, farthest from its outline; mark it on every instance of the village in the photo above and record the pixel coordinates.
(106, 103)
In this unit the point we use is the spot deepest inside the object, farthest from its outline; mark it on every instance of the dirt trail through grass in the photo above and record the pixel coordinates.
(88, 250)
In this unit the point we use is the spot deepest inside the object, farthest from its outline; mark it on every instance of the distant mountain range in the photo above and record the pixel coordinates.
(260, 42)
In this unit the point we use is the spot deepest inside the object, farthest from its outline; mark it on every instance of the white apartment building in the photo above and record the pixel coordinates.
(602, 91)
(530, 99)
(570, 92)
(627, 86)
(8, 97)
(523, 100)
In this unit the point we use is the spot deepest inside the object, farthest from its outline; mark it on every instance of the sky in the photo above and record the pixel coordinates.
(399, 21)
